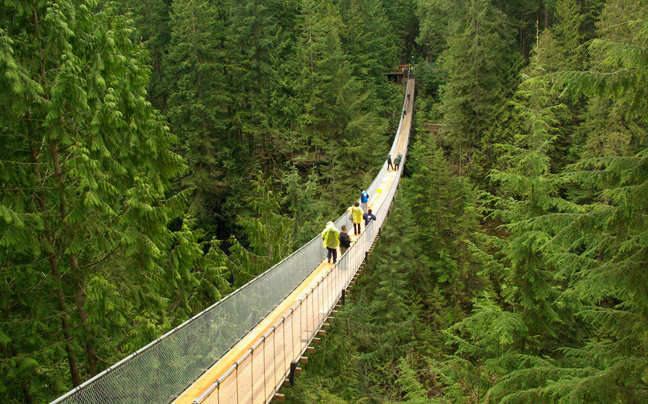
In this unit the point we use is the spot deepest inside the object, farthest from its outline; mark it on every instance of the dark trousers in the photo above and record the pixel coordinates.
(333, 252)
(356, 228)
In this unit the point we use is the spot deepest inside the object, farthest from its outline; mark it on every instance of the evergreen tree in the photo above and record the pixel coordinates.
(400, 13)
(601, 245)
(304, 205)
(480, 65)
(438, 199)
(260, 43)
(369, 39)
(198, 101)
(85, 170)
(151, 20)
(268, 233)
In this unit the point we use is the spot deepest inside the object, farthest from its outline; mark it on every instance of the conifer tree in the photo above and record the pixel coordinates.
(437, 200)
(268, 234)
(86, 164)
(369, 39)
(151, 20)
(601, 246)
(414, 391)
(303, 205)
(534, 318)
(260, 44)
(198, 101)
(333, 117)
(478, 64)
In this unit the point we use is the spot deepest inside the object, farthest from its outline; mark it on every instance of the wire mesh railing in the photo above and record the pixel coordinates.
(161, 370)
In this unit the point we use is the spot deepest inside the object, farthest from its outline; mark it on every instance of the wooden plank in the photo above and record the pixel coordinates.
(316, 340)
(321, 333)
(326, 326)
(279, 397)
(330, 319)
(310, 349)
(303, 359)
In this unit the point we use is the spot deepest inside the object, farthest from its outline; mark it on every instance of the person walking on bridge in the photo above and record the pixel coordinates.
(398, 160)
(368, 217)
(345, 240)
(356, 217)
(390, 166)
(364, 198)
(331, 237)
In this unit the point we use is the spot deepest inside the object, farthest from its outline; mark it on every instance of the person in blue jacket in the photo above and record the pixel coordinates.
(364, 198)
(368, 217)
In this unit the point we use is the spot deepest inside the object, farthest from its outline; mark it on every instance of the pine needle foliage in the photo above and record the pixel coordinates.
(87, 256)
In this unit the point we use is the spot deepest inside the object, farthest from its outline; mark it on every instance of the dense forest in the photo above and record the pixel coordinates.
(157, 154)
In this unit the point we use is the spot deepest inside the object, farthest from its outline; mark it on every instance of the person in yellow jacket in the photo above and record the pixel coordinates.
(331, 237)
(356, 217)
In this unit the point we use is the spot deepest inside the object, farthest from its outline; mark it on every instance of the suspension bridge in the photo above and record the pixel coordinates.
(245, 347)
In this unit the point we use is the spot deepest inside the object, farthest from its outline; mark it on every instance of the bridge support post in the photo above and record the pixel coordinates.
(291, 376)
(343, 295)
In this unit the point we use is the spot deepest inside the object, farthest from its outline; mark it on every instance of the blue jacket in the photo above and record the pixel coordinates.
(364, 197)
(368, 217)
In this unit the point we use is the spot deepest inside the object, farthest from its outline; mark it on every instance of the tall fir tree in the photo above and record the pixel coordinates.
(86, 164)
(480, 66)
(198, 101)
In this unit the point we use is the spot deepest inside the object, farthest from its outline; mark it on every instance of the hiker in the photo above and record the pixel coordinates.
(398, 160)
(368, 217)
(364, 198)
(345, 240)
(356, 217)
(389, 163)
(331, 237)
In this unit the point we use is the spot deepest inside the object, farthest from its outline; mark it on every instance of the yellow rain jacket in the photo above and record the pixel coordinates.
(331, 236)
(356, 214)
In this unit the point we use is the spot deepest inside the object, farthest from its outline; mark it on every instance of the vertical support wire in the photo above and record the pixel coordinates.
(274, 357)
(264, 371)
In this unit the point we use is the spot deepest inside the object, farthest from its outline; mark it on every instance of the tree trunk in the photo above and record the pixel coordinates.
(53, 261)
(80, 293)
(53, 258)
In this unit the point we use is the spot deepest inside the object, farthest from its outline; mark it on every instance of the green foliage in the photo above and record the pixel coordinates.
(151, 18)
(478, 63)
(304, 205)
(86, 251)
(268, 233)
(414, 391)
